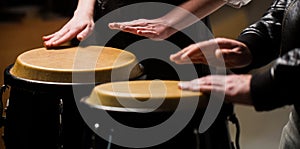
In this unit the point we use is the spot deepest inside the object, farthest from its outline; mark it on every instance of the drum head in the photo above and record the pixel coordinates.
(58, 65)
(155, 94)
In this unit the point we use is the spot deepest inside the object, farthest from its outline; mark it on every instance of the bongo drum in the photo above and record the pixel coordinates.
(124, 102)
(42, 111)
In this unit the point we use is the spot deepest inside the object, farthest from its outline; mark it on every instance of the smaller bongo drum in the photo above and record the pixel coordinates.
(42, 111)
(148, 103)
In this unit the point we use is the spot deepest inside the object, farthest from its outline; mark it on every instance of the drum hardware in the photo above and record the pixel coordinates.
(2, 109)
(197, 138)
(110, 139)
(234, 120)
(93, 137)
(60, 129)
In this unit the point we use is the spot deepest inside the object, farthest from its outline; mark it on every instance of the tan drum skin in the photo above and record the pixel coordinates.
(109, 94)
(57, 65)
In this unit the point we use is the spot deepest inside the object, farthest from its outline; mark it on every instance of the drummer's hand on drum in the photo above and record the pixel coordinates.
(80, 26)
(215, 52)
(235, 87)
(156, 29)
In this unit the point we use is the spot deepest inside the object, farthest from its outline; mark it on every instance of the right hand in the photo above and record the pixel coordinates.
(80, 26)
(236, 88)
(156, 29)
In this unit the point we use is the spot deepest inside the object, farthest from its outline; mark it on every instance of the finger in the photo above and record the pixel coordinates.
(190, 85)
(227, 43)
(142, 31)
(130, 30)
(56, 36)
(217, 80)
(177, 56)
(184, 85)
(114, 25)
(147, 28)
(66, 37)
(121, 25)
(139, 22)
(197, 60)
(85, 33)
(183, 62)
(189, 60)
(210, 88)
(50, 38)
(47, 37)
(149, 34)
(192, 51)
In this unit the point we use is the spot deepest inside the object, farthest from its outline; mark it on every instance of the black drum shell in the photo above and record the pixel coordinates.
(216, 137)
(33, 115)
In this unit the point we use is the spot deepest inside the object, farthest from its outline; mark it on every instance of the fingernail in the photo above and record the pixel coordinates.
(183, 56)
(182, 85)
(173, 57)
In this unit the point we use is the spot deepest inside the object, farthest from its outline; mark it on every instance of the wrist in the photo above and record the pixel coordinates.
(81, 12)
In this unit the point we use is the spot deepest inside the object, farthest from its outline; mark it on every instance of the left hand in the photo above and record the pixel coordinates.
(235, 87)
(215, 52)
(156, 29)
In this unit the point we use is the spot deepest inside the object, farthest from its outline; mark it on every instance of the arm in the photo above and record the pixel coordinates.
(268, 89)
(265, 90)
(263, 38)
(275, 87)
(80, 25)
(179, 18)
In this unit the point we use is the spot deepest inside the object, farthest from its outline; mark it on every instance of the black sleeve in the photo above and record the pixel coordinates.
(263, 37)
(277, 86)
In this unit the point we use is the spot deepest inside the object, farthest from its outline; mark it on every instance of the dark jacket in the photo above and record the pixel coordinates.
(275, 37)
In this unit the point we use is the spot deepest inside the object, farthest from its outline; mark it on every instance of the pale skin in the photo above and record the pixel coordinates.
(179, 18)
(80, 25)
(236, 54)
(218, 51)
(236, 88)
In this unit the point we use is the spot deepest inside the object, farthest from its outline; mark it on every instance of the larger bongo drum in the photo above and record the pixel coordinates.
(42, 111)
(124, 102)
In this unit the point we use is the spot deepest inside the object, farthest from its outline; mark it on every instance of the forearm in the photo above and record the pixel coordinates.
(263, 38)
(86, 7)
(190, 12)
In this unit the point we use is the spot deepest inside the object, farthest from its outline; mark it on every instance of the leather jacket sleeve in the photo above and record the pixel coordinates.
(277, 86)
(263, 37)
(269, 39)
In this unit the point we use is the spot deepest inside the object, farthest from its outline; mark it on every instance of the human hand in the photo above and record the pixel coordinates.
(235, 87)
(156, 29)
(81, 25)
(215, 52)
